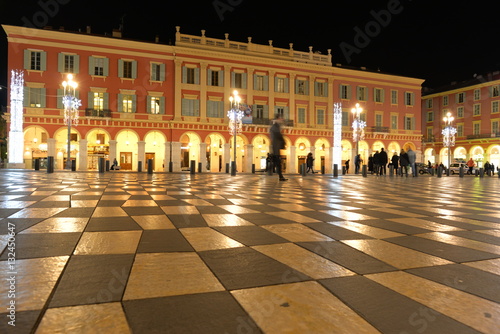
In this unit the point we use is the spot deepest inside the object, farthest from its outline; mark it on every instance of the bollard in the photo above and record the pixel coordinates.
(150, 166)
(170, 166)
(461, 171)
(476, 172)
(335, 170)
(303, 169)
(439, 171)
(364, 171)
(50, 164)
(192, 167)
(322, 169)
(253, 168)
(343, 170)
(233, 168)
(481, 172)
(200, 167)
(100, 165)
(227, 168)
(37, 164)
(73, 165)
(391, 170)
(432, 172)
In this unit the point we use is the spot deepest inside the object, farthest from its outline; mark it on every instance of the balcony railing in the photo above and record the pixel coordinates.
(484, 135)
(106, 113)
(384, 129)
(430, 139)
(267, 121)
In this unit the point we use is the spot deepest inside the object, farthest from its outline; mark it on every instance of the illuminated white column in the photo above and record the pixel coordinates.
(141, 153)
(203, 156)
(248, 158)
(227, 155)
(337, 136)
(82, 154)
(292, 162)
(112, 151)
(16, 135)
(176, 156)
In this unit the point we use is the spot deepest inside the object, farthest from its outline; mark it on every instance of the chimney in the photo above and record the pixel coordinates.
(157, 39)
(117, 33)
(89, 30)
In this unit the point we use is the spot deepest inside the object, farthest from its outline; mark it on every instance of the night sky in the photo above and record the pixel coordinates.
(439, 41)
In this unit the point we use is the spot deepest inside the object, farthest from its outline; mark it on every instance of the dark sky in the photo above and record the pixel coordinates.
(439, 41)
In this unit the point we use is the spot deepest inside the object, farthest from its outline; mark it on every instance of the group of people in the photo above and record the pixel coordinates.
(379, 162)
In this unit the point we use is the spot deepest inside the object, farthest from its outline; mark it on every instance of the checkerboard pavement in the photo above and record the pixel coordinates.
(125, 252)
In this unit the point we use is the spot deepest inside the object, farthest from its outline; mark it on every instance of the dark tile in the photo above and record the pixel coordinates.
(24, 322)
(240, 268)
(463, 225)
(51, 204)
(21, 224)
(461, 277)
(336, 232)
(389, 311)
(181, 221)
(76, 213)
(347, 257)
(395, 227)
(158, 241)
(262, 208)
(8, 212)
(250, 235)
(219, 201)
(477, 236)
(34, 245)
(215, 312)
(171, 203)
(112, 224)
(142, 211)
(320, 216)
(91, 279)
(110, 203)
(264, 219)
(440, 249)
(140, 197)
(211, 209)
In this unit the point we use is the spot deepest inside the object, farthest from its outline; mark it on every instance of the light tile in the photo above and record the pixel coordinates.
(205, 238)
(154, 222)
(58, 225)
(37, 213)
(243, 201)
(84, 203)
(169, 274)
(304, 261)
(115, 197)
(293, 216)
(398, 212)
(15, 204)
(291, 207)
(346, 215)
(296, 232)
(135, 202)
(492, 266)
(34, 281)
(115, 242)
(225, 220)
(470, 221)
(197, 202)
(163, 198)
(180, 210)
(476, 312)
(235, 209)
(96, 318)
(370, 231)
(397, 256)
(109, 212)
(304, 307)
(57, 198)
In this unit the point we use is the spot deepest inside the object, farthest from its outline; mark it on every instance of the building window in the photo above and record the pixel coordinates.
(301, 87)
(127, 69)
(378, 95)
(476, 128)
(345, 118)
(345, 92)
(445, 100)
(155, 104)
(301, 115)
(477, 94)
(476, 109)
(394, 97)
(127, 103)
(98, 66)
(394, 122)
(321, 89)
(430, 131)
(34, 97)
(157, 72)
(215, 109)
(362, 94)
(320, 116)
(190, 75)
(461, 97)
(261, 82)
(460, 130)
(460, 112)
(280, 85)
(190, 107)
(495, 91)
(428, 103)
(494, 128)
(409, 99)
(430, 116)
(378, 120)
(238, 80)
(35, 60)
(215, 78)
(409, 123)
(98, 101)
(69, 64)
(261, 111)
(494, 107)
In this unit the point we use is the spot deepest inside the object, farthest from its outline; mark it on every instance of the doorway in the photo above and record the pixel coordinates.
(126, 160)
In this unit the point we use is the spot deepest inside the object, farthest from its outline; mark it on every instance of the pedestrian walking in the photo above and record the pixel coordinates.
(383, 159)
(395, 162)
(310, 163)
(471, 165)
(412, 158)
(277, 144)
(347, 166)
(376, 162)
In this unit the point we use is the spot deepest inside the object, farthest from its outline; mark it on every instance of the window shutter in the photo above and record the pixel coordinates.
(106, 67)
(120, 102)
(286, 113)
(60, 62)
(244, 79)
(59, 97)
(265, 109)
(209, 77)
(134, 103)
(148, 104)
(26, 99)
(184, 74)
(27, 59)
(275, 84)
(316, 88)
(162, 72)
(162, 104)
(43, 64)
(287, 89)
(77, 64)
(134, 69)
(325, 89)
(233, 80)
(43, 97)
(90, 99)
(255, 81)
(120, 68)
(266, 83)
(210, 108)
(221, 78)
(91, 65)
(197, 76)
(307, 88)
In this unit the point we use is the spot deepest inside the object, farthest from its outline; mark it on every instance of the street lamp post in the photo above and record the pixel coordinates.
(71, 104)
(235, 114)
(448, 132)
(358, 125)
